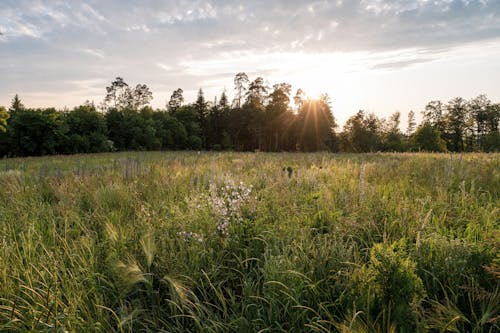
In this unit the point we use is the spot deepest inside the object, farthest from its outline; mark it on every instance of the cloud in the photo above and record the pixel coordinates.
(399, 63)
(316, 25)
(93, 52)
(172, 43)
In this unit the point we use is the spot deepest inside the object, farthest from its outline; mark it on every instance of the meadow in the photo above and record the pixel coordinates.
(250, 242)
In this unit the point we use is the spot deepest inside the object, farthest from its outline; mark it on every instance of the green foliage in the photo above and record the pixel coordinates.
(16, 104)
(388, 290)
(36, 132)
(4, 116)
(361, 133)
(460, 274)
(120, 96)
(260, 119)
(315, 125)
(428, 138)
(87, 131)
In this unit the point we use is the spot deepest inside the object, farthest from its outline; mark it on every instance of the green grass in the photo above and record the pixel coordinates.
(136, 242)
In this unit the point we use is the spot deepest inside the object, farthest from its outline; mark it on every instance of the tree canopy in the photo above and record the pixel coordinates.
(260, 118)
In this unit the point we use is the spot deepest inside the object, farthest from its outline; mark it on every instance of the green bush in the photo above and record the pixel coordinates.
(388, 290)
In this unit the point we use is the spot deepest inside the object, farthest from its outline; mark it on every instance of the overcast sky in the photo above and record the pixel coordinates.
(378, 55)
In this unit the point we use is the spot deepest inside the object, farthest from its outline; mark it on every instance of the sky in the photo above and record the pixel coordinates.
(381, 56)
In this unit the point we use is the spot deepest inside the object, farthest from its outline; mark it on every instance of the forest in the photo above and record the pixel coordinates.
(259, 118)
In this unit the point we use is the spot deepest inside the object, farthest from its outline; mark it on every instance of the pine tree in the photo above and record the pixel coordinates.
(16, 104)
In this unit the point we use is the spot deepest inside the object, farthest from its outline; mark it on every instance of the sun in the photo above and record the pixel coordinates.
(315, 74)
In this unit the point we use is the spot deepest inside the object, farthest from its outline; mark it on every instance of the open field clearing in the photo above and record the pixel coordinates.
(248, 242)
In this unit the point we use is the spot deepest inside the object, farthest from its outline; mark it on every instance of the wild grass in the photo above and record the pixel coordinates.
(250, 242)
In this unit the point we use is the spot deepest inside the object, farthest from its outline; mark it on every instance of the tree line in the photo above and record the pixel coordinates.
(258, 118)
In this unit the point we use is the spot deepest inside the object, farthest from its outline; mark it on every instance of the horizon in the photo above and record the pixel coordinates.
(378, 56)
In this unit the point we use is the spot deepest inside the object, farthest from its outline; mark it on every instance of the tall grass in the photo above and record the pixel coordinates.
(240, 242)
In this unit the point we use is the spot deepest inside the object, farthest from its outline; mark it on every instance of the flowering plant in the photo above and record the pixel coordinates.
(228, 203)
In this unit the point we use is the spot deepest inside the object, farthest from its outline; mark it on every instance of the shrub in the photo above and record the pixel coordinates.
(388, 290)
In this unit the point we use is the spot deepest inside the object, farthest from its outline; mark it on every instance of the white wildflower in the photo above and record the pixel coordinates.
(188, 235)
(227, 203)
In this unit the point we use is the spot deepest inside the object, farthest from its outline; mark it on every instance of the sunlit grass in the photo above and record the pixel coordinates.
(321, 242)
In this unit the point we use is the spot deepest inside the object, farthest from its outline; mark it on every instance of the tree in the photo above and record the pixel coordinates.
(299, 97)
(279, 118)
(169, 131)
(16, 104)
(240, 85)
(3, 119)
(132, 130)
(434, 115)
(201, 106)
(202, 110)
(456, 123)
(188, 116)
(33, 132)
(245, 122)
(223, 101)
(411, 123)
(280, 97)
(392, 136)
(362, 133)
(394, 122)
(121, 96)
(217, 122)
(316, 125)
(428, 138)
(478, 119)
(115, 93)
(141, 96)
(87, 131)
(491, 141)
(256, 93)
(175, 101)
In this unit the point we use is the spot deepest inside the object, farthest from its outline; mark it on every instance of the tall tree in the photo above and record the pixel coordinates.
(316, 125)
(299, 97)
(120, 96)
(361, 133)
(492, 134)
(479, 107)
(434, 115)
(412, 123)
(256, 93)
(240, 85)
(456, 123)
(392, 136)
(201, 107)
(16, 104)
(249, 120)
(141, 96)
(279, 118)
(223, 101)
(175, 101)
(115, 92)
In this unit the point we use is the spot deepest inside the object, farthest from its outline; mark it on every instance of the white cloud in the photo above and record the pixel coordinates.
(93, 52)
(164, 67)
(170, 44)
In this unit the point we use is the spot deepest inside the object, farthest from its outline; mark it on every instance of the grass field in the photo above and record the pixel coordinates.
(248, 242)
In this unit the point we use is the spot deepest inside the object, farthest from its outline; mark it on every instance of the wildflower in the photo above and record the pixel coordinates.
(188, 235)
(227, 203)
